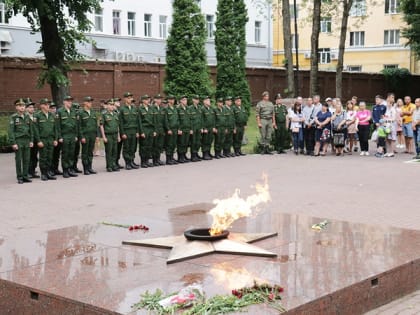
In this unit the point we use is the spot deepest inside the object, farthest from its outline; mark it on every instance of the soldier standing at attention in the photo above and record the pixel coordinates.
(129, 131)
(159, 140)
(45, 135)
(56, 149)
(220, 126)
(209, 127)
(109, 124)
(281, 125)
(147, 131)
(88, 132)
(117, 106)
(33, 160)
(76, 108)
(230, 128)
(171, 129)
(196, 117)
(241, 120)
(265, 121)
(67, 128)
(21, 139)
(184, 130)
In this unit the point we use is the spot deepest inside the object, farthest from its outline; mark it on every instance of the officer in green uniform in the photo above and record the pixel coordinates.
(230, 128)
(67, 128)
(56, 149)
(45, 135)
(265, 121)
(159, 140)
(117, 106)
(129, 130)
(196, 118)
(33, 160)
(241, 120)
(76, 107)
(184, 130)
(280, 127)
(88, 128)
(171, 130)
(21, 139)
(109, 125)
(147, 125)
(221, 128)
(209, 128)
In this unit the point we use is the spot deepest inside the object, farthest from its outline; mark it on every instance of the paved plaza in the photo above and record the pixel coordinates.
(368, 190)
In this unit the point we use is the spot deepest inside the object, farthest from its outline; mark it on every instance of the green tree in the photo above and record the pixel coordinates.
(187, 71)
(316, 25)
(287, 41)
(230, 40)
(411, 11)
(62, 25)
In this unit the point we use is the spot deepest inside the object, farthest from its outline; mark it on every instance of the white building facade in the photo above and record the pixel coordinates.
(136, 31)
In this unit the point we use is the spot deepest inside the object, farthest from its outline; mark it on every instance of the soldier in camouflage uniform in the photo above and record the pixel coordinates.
(88, 129)
(21, 139)
(76, 108)
(129, 131)
(117, 106)
(265, 121)
(184, 130)
(33, 160)
(230, 128)
(109, 125)
(67, 128)
(171, 130)
(209, 127)
(221, 129)
(241, 120)
(56, 149)
(45, 135)
(196, 118)
(281, 125)
(147, 125)
(159, 140)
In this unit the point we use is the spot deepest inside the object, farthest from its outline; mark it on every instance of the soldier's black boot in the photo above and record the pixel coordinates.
(180, 159)
(217, 155)
(50, 175)
(134, 165)
(143, 163)
(169, 160)
(155, 162)
(90, 169)
(44, 176)
(186, 159)
(206, 156)
(226, 154)
(128, 165)
(194, 157)
(57, 172)
(71, 172)
(85, 169)
(173, 159)
(241, 153)
(267, 150)
(236, 152)
(75, 169)
(66, 173)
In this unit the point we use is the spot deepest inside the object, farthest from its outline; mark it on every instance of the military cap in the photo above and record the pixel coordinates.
(195, 97)
(265, 93)
(228, 98)
(44, 101)
(20, 101)
(170, 97)
(205, 97)
(29, 101)
(68, 98)
(77, 105)
(87, 99)
(128, 94)
(145, 97)
(117, 99)
(183, 96)
(238, 98)
(220, 99)
(52, 104)
(110, 101)
(278, 95)
(158, 96)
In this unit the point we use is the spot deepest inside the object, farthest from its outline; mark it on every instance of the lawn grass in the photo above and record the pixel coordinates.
(4, 119)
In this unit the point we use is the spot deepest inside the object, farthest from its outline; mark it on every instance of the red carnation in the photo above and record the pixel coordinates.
(131, 228)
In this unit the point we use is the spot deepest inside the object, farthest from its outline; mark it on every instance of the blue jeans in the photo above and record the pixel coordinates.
(298, 139)
(417, 139)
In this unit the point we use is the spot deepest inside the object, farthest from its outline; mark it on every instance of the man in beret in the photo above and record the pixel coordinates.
(209, 128)
(45, 135)
(265, 121)
(109, 126)
(21, 138)
(147, 125)
(129, 130)
(281, 124)
(171, 130)
(220, 128)
(33, 160)
(241, 120)
(196, 118)
(67, 129)
(88, 128)
(159, 140)
(185, 129)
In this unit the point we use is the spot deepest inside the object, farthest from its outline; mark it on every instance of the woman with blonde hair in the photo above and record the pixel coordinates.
(400, 136)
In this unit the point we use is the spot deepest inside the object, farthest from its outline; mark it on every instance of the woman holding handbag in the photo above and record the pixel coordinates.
(338, 122)
(323, 130)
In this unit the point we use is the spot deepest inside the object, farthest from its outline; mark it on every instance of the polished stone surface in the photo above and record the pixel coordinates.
(89, 265)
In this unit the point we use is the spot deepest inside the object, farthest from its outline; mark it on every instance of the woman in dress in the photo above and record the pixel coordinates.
(323, 130)
(390, 118)
(363, 127)
(400, 136)
(351, 125)
(339, 129)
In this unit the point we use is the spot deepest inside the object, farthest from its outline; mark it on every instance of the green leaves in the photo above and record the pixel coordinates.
(411, 11)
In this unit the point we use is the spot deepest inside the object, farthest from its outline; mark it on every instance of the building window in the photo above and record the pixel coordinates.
(3, 13)
(357, 39)
(324, 55)
(390, 66)
(326, 25)
(210, 26)
(162, 26)
(257, 32)
(358, 8)
(131, 23)
(391, 6)
(391, 37)
(354, 68)
(147, 25)
(99, 20)
(294, 42)
(292, 11)
(116, 23)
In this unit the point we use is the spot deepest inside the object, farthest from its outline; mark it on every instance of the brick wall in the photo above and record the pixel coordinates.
(18, 78)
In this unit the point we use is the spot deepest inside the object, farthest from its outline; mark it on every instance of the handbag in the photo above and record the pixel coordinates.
(338, 139)
(374, 136)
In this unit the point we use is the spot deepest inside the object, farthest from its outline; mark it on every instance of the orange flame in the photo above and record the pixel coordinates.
(230, 209)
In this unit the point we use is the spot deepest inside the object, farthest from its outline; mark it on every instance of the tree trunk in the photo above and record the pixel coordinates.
(316, 20)
(288, 54)
(343, 33)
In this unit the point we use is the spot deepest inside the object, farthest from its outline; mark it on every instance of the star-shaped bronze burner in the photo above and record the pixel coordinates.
(183, 249)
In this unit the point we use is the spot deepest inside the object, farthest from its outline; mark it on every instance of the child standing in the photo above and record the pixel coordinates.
(383, 132)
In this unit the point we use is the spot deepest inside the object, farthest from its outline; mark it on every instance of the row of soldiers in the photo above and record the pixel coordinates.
(155, 126)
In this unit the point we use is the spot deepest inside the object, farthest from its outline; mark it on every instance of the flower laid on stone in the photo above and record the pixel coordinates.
(129, 227)
(320, 226)
(191, 300)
